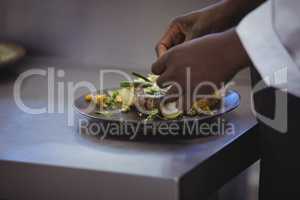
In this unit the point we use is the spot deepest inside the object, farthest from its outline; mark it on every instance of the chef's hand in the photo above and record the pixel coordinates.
(216, 18)
(214, 59)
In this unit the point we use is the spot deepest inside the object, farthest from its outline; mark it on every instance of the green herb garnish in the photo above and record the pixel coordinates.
(112, 103)
(135, 83)
(153, 90)
(104, 113)
(126, 84)
(152, 115)
(140, 76)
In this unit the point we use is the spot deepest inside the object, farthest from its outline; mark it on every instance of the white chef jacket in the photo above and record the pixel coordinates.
(271, 37)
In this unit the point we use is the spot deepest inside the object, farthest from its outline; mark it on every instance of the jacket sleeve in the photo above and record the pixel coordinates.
(269, 56)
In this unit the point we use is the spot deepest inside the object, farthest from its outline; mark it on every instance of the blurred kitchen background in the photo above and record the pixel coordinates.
(104, 32)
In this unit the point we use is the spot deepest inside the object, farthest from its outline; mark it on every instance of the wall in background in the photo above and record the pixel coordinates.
(106, 32)
(111, 32)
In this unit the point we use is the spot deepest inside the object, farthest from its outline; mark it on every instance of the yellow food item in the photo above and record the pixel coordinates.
(205, 105)
(101, 100)
(201, 104)
(88, 98)
(149, 97)
(119, 99)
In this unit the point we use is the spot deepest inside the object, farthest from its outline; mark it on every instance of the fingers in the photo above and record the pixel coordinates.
(160, 66)
(161, 49)
(164, 80)
(173, 36)
(197, 31)
(176, 92)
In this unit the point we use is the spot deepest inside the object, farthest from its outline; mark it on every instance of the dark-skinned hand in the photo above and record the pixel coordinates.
(213, 19)
(214, 58)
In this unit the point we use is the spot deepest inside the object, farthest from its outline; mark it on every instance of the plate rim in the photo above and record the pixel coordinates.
(196, 118)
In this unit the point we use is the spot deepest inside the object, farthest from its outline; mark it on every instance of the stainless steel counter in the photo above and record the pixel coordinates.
(41, 157)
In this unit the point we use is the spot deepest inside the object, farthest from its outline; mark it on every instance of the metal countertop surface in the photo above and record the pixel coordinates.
(47, 140)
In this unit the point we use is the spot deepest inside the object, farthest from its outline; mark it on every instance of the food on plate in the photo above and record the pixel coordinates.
(6, 53)
(170, 111)
(10, 52)
(144, 96)
(89, 98)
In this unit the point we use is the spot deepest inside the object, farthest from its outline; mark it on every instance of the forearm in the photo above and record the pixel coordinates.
(234, 53)
(239, 8)
(245, 3)
(228, 13)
